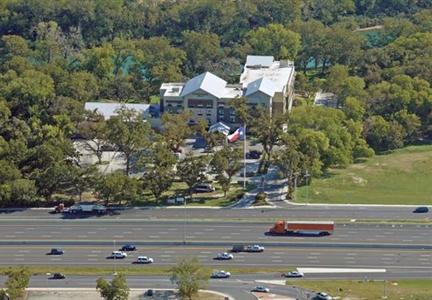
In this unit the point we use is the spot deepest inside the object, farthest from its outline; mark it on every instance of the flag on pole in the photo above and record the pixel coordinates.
(238, 134)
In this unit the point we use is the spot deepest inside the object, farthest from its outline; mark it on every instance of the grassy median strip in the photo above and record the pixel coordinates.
(418, 289)
(401, 177)
(139, 270)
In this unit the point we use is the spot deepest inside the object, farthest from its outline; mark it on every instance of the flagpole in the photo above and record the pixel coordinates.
(244, 156)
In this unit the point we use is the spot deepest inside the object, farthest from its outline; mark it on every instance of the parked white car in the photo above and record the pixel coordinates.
(118, 254)
(323, 296)
(144, 260)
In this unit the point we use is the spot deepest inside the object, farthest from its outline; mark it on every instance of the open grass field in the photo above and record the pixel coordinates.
(401, 177)
(370, 290)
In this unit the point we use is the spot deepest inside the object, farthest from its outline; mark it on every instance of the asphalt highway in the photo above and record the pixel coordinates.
(161, 233)
(408, 262)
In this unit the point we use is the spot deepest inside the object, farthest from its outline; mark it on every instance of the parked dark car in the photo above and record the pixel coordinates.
(421, 209)
(204, 188)
(56, 251)
(128, 247)
(150, 292)
(253, 154)
(200, 143)
(58, 276)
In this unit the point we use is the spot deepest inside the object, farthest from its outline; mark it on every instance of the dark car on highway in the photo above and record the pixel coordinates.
(56, 251)
(128, 247)
(421, 209)
(58, 276)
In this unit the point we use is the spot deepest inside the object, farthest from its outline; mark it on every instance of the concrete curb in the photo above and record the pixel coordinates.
(355, 205)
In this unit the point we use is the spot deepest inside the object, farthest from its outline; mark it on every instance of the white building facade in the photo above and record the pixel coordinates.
(263, 82)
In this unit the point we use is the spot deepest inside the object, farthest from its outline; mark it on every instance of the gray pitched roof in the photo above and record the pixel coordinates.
(107, 110)
(259, 61)
(263, 85)
(207, 82)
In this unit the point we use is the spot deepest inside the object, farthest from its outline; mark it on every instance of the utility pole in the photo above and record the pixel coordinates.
(244, 156)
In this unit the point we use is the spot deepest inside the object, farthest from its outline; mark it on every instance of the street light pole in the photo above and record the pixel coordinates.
(115, 258)
(184, 221)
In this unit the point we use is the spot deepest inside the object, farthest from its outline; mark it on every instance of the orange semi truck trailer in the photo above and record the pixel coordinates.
(303, 227)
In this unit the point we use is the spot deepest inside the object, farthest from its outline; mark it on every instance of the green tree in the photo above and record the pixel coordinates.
(130, 133)
(382, 135)
(212, 139)
(190, 276)
(17, 282)
(117, 187)
(353, 109)
(191, 171)
(226, 162)
(276, 40)
(159, 172)
(176, 129)
(100, 61)
(201, 50)
(95, 133)
(117, 289)
(81, 86)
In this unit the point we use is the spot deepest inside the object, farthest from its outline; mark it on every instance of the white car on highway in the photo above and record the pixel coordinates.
(254, 248)
(224, 256)
(118, 254)
(144, 260)
(294, 274)
(221, 274)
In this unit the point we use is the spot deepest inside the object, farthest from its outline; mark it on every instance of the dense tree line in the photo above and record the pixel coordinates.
(56, 55)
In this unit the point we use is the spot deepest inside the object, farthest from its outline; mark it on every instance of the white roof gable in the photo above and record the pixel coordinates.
(207, 82)
(263, 85)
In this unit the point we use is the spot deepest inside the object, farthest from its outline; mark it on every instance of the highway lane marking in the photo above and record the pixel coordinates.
(425, 255)
(169, 251)
(165, 255)
(352, 254)
(91, 232)
(118, 236)
(19, 232)
(19, 259)
(127, 232)
(82, 236)
(173, 229)
(408, 241)
(92, 255)
(96, 251)
(46, 236)
(10, 236)
(312, 257)
(423, 259)
(92, 259)
(275, 257)
(276, 261)
(154, 236)
(18, 255)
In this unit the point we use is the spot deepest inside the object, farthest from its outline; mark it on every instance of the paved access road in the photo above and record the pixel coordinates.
(158, 233)
(290, 212)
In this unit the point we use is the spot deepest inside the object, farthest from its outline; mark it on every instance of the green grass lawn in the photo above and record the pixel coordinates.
(402, 177)
(370, 290)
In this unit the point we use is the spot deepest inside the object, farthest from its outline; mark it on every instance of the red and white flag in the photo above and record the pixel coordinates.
(238, 134)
